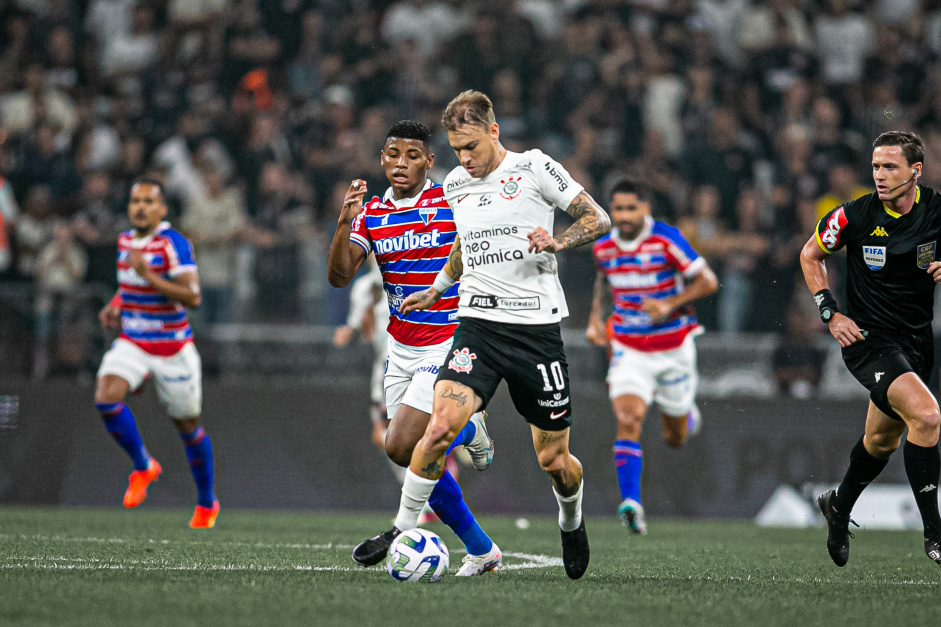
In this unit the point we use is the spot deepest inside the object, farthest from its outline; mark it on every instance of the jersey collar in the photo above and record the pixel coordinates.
(140, 242)
(403, 203)
(632, 244)
(895, 214)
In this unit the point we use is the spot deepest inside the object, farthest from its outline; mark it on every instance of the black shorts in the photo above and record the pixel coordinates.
(882, 358)
(530, 358)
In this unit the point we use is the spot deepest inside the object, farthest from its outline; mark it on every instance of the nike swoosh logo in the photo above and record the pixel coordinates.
(461, 198)
(553, 416)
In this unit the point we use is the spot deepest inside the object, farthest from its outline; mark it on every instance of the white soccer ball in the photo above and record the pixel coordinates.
(417, 555)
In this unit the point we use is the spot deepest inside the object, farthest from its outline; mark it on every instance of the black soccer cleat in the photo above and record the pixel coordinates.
(575, 552)
(372, 551)
(838, 529)
(933, 549)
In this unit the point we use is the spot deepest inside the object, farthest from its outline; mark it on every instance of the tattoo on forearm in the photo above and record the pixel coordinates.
(449, 393)
(432, 470)
(456, 261)
(591, 222)
(548, 438)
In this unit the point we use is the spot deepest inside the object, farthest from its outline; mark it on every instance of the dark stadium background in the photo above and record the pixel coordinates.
(747, 118)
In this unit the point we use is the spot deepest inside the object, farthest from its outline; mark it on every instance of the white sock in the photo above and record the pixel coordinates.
(397, 470)
(415, 493)
(570, 509)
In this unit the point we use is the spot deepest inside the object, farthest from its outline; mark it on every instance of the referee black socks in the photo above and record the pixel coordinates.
(923, 467)
(864, 468)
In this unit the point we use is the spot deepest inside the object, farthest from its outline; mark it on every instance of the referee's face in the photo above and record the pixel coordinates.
(628, 213)
(892, 172)
(477, 148)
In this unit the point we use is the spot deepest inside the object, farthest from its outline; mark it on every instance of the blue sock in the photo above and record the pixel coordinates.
(464, 437)
(448, 503)
(199, 454)
(628, 463)
(120, 423)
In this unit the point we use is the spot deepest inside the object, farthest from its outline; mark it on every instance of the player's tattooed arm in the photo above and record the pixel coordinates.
(591, 222)
(455, 265)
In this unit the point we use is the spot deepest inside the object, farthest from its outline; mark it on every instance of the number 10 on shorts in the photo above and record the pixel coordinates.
(556, 377)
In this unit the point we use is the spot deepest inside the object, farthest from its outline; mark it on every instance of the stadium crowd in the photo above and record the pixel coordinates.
(747, 118)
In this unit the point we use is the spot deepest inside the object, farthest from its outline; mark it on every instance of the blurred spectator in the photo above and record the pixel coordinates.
(797, 361)
(35, 103)
(247, 44)
(216, 222)
(843, 187)
(44, 164)
(723, 20)
(844, 40)
(60, 268)
(131, 52)
(9, 212)
(425, 22)
(744, 255)
(33, 230)
(100, 218)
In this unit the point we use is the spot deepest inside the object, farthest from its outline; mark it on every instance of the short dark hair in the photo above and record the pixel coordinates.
(630, 186)
(468, 107)
(410, 129)
(912, 147)
(149, 180)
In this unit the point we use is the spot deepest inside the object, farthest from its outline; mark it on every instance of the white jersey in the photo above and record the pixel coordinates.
(502, 281)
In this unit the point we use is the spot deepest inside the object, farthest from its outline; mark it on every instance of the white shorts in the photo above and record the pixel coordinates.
(411, 373)
(178, 378)
(668, 378)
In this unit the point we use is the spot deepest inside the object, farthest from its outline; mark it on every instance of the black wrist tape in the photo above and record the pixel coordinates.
(826, 305)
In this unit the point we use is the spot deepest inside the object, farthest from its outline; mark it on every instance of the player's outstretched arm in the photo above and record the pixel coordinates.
(591, 222)
(345, 258)
(596, 332)
(447, 276)
(815, 275)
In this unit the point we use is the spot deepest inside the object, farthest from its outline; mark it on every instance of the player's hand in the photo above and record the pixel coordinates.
(353, 200)
(135, 259)
(540, 241)
(658, 310)
(110, 317)
(595, 333)
(935, 271)
(419, 301)
(845, 330)
(342, 336)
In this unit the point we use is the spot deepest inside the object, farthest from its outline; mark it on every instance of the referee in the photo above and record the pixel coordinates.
(891, 238)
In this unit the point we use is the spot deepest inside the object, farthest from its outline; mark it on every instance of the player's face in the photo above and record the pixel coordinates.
(146, 208)
(892, 172)
(628, 213)
(406, 163)
(477, 148)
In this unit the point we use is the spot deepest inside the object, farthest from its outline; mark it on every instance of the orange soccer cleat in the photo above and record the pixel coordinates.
(205, 517)
(138, 482)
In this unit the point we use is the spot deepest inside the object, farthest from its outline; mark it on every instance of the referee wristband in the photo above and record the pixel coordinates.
(443, 282)
(826, 304)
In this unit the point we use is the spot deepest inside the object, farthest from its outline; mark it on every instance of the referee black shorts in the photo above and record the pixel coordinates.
(882, 358)
(530, 358)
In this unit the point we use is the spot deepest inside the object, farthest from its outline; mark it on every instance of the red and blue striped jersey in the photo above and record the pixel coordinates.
(655, 265)
(411, 239)
(149, 319)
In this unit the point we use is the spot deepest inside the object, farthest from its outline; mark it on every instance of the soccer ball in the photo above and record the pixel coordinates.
(417, 555)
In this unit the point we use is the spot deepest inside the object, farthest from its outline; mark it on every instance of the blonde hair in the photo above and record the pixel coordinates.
(468, 107)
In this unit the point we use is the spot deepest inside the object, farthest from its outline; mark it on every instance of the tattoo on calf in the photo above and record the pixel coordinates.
(461, 398)
(432, 470)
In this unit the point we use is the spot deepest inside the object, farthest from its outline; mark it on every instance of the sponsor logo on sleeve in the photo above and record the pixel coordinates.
(926, 254)
(874, 256)
(563, 184)
(831, 233)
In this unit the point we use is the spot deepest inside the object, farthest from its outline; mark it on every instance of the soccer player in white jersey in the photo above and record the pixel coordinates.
(410, 231)
(511, 303)
(158, 280)
(653, 275)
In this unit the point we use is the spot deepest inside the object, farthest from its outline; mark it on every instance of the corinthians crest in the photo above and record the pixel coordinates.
(463, 360)
(511, 187)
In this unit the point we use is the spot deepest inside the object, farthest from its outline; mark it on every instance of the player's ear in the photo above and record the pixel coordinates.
(431, 161)
(495, 131)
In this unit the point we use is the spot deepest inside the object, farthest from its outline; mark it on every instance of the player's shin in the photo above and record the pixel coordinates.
(120, 423)
(447, 501)
(199, 454)
(923, 467)
(567, 487)
(863, 470)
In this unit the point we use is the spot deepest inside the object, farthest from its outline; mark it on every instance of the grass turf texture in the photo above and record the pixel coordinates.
(96, 567)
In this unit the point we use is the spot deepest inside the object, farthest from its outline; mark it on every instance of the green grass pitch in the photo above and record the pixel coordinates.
(145, 567)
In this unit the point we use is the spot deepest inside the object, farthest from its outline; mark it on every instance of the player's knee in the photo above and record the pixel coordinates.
(629, 420)
(928, 420)
(675, 438)
(882, 445)
(440, 432)
(552, 461)
(399, 452)
(108, 395)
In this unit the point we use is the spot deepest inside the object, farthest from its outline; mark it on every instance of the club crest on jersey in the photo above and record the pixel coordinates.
(926, 254)
(874, 256)
(511, 188)
(463, 361)
(427, 214)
